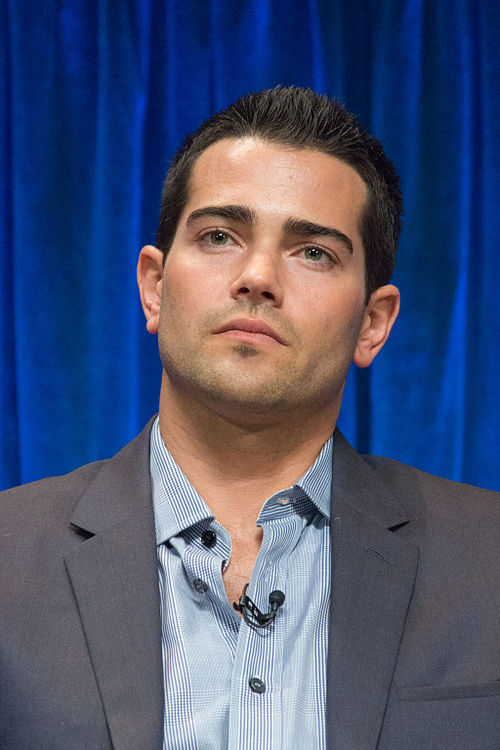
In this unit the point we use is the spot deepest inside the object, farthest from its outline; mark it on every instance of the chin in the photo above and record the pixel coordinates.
(248, 396)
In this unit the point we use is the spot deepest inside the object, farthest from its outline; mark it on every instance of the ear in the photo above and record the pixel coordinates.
(149, 279)
(380, 314)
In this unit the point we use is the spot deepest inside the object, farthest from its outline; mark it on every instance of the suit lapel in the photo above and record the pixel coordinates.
(115, 583)
(373, 573)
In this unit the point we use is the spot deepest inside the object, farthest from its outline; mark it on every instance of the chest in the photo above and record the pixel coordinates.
(238, 570)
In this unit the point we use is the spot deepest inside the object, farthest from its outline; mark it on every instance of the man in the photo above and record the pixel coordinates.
(278, 232)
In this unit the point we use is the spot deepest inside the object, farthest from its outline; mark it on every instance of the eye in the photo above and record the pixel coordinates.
(217, 238)
(317, 255)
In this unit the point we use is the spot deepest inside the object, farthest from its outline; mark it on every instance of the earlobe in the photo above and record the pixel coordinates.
(380, 315)
(149, 279)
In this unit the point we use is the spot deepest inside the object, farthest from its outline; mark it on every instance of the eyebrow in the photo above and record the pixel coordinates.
(242, 214)
(245, 215)
(304, 228)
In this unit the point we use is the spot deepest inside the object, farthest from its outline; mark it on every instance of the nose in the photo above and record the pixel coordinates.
(259, 280)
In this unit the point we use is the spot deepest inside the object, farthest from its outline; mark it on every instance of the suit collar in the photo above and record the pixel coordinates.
(120, 488)
(356, 486)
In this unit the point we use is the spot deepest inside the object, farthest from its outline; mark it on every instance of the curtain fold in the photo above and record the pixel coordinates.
(95, 99)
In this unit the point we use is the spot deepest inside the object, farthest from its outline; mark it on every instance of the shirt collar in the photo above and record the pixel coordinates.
(177, 505)
(317, 480)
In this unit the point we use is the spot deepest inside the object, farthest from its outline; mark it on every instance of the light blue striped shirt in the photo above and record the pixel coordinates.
(209, 654)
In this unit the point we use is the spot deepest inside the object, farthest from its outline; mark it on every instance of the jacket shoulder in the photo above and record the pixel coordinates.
(55, 497)
(47, 497)
(414, 486)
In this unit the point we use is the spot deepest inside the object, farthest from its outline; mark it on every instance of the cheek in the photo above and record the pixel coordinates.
(178, 287)
(337, 330)
(190, 279)
(184, 306)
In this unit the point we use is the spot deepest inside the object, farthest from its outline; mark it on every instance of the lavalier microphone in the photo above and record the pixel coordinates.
(252, 614)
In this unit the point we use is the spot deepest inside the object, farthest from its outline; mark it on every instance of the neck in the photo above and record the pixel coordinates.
(236, 462)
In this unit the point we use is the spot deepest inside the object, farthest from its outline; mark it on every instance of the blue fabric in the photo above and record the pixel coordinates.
(203, 638)
(95, 99)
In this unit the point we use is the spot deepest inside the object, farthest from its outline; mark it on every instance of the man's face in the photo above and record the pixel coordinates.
(263, 288)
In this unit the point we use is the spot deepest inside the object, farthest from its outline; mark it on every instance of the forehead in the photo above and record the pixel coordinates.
(277, 179)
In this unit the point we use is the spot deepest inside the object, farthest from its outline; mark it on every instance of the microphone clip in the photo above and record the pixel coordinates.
(252, 614)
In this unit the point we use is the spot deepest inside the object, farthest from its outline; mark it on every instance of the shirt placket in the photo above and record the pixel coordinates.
(255, 710)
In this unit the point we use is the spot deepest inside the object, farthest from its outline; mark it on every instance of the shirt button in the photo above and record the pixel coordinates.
(284, 500)
(256, 685)
(200, 586)
(209, 538)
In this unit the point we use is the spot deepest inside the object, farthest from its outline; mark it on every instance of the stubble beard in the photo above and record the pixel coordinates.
(248, 394)
(230, 381)
(241, 385)
(224, 385)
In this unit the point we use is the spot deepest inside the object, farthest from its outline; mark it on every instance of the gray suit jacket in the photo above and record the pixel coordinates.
(414, 643)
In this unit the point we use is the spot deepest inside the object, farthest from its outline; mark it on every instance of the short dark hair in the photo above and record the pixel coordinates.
(300, 118)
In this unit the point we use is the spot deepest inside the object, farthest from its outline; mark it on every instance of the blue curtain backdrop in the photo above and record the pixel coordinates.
(96, 97)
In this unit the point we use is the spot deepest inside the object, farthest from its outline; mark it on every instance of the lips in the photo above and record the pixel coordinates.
(251, 326)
